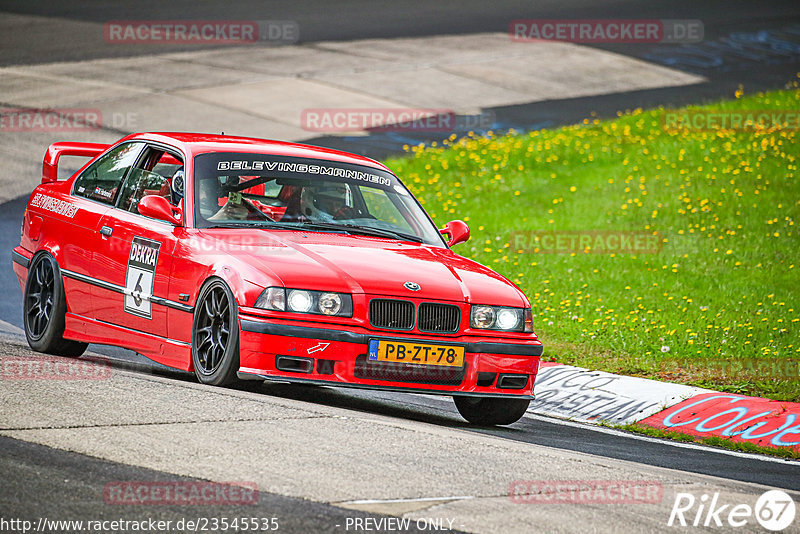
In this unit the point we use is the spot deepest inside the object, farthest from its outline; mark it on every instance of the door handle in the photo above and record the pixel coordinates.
(106, 231)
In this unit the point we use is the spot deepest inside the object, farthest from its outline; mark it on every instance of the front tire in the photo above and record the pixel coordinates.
(490, 411)
(44, 310)
(215, 335)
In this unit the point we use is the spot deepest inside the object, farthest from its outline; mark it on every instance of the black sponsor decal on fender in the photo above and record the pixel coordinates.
(140, 276)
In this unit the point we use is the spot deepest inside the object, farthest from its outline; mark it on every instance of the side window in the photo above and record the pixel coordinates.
(101, 181)
(158, 173)
(139, 184)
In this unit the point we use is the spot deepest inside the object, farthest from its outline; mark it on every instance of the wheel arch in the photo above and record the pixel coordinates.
(244, 291)
(53, 249)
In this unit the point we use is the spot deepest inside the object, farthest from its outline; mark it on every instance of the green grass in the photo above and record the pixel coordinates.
(713, 441)
(726, 283)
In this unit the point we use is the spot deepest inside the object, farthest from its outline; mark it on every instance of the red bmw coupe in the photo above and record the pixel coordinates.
(247, 259)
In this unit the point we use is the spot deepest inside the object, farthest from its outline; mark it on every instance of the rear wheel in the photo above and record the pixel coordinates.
(489, 411)
(215, 335)
(44, 310)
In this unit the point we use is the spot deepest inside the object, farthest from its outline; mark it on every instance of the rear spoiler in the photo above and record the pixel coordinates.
(67, 148)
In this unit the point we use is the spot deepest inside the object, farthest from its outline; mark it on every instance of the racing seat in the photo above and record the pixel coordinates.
(165, 191)
(294, 212)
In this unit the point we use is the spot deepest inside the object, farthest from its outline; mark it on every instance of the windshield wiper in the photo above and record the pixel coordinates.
(252, 224)
(363, 230)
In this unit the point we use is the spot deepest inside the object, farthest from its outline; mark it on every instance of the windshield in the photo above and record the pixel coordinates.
(234, 190)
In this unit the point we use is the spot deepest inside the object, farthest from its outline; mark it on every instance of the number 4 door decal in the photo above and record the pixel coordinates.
(140, 276)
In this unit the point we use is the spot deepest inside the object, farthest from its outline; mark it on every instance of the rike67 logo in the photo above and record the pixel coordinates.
(774, 510)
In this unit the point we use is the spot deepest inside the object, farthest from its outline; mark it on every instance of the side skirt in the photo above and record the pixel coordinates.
(169, 352)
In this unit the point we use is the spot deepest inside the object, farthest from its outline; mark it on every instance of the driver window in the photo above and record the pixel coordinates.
(139, 184)
(158, 173)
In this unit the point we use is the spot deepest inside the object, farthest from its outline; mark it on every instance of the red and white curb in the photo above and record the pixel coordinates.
(754, 420)
(598, 397)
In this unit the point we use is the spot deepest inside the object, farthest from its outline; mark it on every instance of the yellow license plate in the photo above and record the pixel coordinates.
(415, 353)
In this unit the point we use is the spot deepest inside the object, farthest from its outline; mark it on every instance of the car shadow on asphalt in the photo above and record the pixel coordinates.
(410, 407)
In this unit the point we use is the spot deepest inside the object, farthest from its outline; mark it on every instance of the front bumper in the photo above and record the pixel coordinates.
(327, 354)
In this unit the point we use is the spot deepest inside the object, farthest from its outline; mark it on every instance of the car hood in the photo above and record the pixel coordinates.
(359, 264)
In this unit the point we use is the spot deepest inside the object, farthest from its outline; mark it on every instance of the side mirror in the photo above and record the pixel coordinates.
(159, 208)
(458, 232)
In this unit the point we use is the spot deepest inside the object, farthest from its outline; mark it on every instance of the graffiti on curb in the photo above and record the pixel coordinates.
(576, 393)
(759, 421)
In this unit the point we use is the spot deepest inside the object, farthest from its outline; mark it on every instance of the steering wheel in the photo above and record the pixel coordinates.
(347, 212)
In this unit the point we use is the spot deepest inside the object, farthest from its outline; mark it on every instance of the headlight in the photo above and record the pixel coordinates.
(306, 301)
(501, 318)
(483, 316)
(507, 319)
(300, 301)
(330, 303)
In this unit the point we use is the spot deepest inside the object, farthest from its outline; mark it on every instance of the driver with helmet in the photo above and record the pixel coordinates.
(326, 201)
